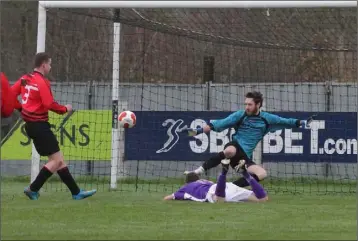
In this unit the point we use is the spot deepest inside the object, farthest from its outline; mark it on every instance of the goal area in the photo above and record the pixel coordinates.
(177, 64)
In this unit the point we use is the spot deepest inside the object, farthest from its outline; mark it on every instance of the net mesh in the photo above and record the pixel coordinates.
(178, 64)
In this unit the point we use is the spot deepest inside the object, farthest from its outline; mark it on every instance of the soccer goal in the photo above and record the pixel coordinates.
(183, 63)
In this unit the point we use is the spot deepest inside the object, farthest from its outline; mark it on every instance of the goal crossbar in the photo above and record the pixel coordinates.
(196, 4)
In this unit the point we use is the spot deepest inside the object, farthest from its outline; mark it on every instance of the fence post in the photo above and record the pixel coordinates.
(328, 93)
(90, 95)
(208, 77)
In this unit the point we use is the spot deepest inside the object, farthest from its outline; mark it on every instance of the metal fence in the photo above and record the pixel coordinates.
(335, 97)
(317, 97)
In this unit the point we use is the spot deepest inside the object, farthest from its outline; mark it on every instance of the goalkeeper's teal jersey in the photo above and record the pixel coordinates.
(251, 129)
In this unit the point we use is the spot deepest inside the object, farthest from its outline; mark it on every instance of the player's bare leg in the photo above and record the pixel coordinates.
(259, 191)
(214, 161)
(221, 183)
(256, 171)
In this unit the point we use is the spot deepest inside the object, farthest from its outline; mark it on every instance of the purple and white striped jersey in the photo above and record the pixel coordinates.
(195, 191)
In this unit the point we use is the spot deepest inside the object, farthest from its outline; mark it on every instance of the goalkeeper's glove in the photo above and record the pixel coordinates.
(307, 123)
(194, 131)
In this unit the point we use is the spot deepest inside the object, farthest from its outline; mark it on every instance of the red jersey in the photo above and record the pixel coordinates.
(8, 98)
(37, 98)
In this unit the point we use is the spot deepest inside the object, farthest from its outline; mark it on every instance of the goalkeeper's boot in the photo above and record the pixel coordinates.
(30, 194)
(241, 167)
(84, 194)
(198, 171)
(225, 163)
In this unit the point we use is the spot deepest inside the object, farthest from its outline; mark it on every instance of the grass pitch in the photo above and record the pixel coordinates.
(143, 215)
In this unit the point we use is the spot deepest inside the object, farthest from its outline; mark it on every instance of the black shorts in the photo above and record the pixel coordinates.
(43, 138)
(240, 155)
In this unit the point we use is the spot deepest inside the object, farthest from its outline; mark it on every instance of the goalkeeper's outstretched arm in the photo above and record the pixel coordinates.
(218, 125)
(276, 122)
(228, 122)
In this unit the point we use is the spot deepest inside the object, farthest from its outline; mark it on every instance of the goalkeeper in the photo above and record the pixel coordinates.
(206, 191)
(251, 126)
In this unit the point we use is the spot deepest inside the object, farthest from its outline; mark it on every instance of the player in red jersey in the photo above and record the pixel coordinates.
(8, 98)
(37, 101)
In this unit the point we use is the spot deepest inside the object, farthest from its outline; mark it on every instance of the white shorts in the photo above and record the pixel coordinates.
(233, 193)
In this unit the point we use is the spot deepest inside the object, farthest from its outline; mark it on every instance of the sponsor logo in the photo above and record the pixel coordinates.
(172, 132)
(213, 141)
(275, 143)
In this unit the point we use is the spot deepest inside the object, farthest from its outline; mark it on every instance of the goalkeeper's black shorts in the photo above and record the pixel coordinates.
(240, 155)
(43, 138)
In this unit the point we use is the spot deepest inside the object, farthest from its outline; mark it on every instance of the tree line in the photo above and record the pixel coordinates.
(173, 45)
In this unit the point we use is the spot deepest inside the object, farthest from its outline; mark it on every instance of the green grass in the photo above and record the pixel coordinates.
(165, 184)
(143, 215)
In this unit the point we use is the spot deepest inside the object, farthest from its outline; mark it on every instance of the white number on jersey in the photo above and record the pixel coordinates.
(28, 91)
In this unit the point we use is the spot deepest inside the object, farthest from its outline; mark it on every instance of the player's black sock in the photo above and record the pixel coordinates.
(67, 178)
(214, 161)
(243, 183)
(41, 178)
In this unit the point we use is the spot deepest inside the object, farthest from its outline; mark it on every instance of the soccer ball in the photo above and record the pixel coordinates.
(127, 119)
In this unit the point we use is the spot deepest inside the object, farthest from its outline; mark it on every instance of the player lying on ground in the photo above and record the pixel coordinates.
(8, 99)
(206, 191)
(37, 101)
(251, 125)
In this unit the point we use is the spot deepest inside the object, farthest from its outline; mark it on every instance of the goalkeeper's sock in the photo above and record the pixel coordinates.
(67, 178)
(256, 187)
(213, 161)
(243, 183)
(41, 178)
(221, 185)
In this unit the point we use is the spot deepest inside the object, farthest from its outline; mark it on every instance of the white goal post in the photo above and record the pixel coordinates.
(41, 43)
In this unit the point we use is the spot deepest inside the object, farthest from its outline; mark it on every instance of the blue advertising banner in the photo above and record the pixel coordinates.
(332, 137)
(158, 136)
